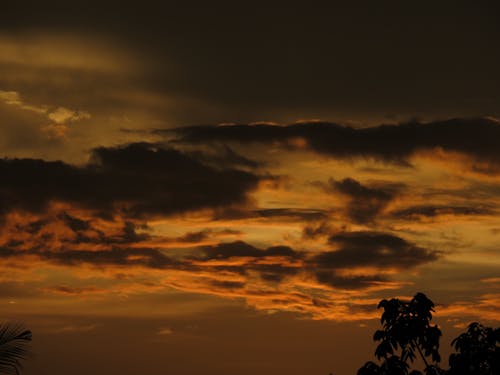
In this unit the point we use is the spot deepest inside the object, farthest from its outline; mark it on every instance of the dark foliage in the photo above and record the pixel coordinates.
(478, 352)
(406, 325)
(14, 347)
(408, 334)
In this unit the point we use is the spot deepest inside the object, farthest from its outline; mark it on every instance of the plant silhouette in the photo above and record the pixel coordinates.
(14, 347)
(407, 333)
(478, 351)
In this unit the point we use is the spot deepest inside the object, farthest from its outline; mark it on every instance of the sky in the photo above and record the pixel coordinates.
(231, 187)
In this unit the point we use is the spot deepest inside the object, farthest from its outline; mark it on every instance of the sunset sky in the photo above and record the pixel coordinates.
(230, 188)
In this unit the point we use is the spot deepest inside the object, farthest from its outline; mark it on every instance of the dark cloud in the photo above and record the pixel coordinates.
(295, 213)
(375, 249)
(477, 137)
(232, 213)
(137, 180)
(228, 284)
(195, 236)
(272, 264)
(88, 233)
(317, 230)
(257, 59)
(117, 256)
(74, 223)
(224, 157)
(67, 290)
(242, 249)
(130, 234)
(365, 203)
(284, 264)
(155, 258)
(354, 249)
(145, 257)
(348, 282)
(366, 249)
(414, 212)
(34, 227)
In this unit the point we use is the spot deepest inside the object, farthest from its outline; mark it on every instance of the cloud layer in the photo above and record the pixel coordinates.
(317, 219)
(134, 180)
(477, 138)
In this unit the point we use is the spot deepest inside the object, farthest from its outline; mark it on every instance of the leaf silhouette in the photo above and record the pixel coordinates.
(406, 327)
(14, 347)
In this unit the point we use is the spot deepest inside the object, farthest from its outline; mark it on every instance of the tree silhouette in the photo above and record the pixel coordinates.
(408, 333)
(406, 329)
(478, 351)
(14, 347)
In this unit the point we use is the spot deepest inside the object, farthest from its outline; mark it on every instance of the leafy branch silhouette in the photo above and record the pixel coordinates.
(407, 334)
(14, 347)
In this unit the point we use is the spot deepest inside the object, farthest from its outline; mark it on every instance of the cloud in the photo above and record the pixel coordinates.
(63, 228)
(349, 282)
(135, 180)
(14, 99)
(360, 251)
(302, 214)
(317, 230)
(484, 307)
(373, 254)
(149, 213)
(264, 84)
(117, 256)
(242, 249)
(375, 249)
(365, 203)
(224, 157)
(426, 211)
(51, 51)
(10, 97)
(314, 283)
(74, 223)
(62, 115)
(295, 213)
(477, 138)
(59, 117)
(72, 291)
(195, 236)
